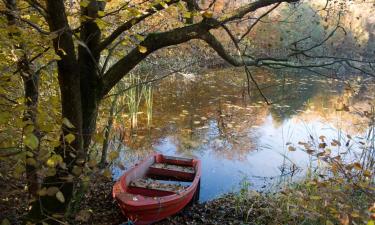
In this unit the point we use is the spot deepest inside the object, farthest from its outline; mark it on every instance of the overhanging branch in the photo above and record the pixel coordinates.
(129, 24)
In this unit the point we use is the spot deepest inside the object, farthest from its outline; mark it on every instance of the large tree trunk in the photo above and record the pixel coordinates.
(73, 153)
(89, 69)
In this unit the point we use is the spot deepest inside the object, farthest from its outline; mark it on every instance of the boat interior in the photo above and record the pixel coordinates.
(161, 176)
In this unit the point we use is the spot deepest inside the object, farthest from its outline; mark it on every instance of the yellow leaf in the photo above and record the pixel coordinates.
(101, 23)
(77, 170)
(31, 162)
(139, 37)
(367, 173)
(107, 173)
(101, 13)
(70, 138)
(354, 214)
(142, 49)
(67, 123)
(315, 197)
(54, 160)
(51, 191)
(84, 3)
(207, 14)
(165, 5)
(186, 15)
(60, 197)
(357, 166)
(371, 222)
(291, 148)
(42, 192)
(113, 155)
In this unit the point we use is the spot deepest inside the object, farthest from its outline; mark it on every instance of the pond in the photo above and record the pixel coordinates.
(240, 138)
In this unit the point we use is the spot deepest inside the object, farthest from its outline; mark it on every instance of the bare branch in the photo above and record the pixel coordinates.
(257, 20)
(28, 22)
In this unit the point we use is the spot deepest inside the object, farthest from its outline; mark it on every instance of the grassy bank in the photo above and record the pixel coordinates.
(307, 202)
(311, 201)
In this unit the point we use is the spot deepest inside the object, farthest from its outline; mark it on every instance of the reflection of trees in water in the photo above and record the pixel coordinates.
(212, 113)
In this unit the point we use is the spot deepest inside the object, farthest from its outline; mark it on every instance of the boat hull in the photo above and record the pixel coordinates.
(147, 206)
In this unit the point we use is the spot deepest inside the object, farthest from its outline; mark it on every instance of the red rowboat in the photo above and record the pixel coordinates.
(156, 188)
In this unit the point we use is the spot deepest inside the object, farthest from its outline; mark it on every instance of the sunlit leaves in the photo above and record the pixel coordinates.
(101, 13)
(142, 49)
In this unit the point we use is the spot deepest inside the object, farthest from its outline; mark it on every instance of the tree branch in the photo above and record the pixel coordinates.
(176, 36)
(129, 24)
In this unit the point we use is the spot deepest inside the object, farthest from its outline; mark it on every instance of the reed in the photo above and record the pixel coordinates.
(148, 95)
(133, 99)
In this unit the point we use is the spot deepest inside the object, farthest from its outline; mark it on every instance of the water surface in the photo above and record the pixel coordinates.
(240, 138)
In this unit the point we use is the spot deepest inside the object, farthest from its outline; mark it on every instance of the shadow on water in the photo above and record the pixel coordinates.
(237, 136)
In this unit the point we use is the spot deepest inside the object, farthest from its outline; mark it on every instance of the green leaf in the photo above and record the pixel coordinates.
(371, 222)
(60, 197)
(31, 141)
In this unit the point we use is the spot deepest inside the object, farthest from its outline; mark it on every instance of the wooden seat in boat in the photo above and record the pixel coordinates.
(177, 168)
(152, 184)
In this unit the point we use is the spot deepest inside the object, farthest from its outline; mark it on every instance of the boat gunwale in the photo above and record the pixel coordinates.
(153, 202)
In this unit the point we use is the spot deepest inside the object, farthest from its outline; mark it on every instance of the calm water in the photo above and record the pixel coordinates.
(237, 136)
